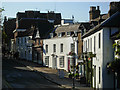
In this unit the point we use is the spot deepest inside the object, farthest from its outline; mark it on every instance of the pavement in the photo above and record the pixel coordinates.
(53, 75)
(17, 76)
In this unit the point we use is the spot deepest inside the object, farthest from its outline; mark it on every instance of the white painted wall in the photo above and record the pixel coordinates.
(104, 54)
(108, 55)
(97, 61)
(66, 49)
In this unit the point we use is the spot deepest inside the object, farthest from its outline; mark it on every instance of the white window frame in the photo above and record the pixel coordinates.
(68, 33)
(54, 48)
(61, 48)
(46, 48)
(59, 34)
(47, 60)
(61, 61)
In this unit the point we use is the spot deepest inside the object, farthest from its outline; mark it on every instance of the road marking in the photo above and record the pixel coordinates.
(30, 68)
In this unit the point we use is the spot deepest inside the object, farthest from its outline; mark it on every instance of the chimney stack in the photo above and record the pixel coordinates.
(94, 13)
(97, 7)
(113, 8)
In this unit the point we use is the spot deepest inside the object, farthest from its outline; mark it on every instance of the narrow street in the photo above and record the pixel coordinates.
(18, 76)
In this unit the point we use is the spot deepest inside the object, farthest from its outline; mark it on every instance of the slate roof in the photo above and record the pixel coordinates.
(86, 25)
(28, 32)
(43, 26)
(25, 23)
(67, 28)
(113, 21)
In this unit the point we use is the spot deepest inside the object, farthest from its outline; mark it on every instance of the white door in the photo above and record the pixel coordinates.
(54, 62)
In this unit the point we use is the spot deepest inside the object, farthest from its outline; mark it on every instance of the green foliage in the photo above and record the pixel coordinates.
(114, 65)
(1, 9)
(118, 35)
(4, 37)
(114, 45)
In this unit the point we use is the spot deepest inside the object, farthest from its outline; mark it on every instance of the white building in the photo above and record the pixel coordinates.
(98, 41)
(56, 49)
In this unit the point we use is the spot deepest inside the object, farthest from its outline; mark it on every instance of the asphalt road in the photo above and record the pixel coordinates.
(18, 76)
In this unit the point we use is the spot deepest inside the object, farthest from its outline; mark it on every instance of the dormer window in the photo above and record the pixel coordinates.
(63, 33)
(72, 33)
(75, 33)
(68, 33)
(59, 34)
(51, 35)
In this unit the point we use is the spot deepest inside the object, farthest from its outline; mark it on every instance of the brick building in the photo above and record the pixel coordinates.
(33, 25)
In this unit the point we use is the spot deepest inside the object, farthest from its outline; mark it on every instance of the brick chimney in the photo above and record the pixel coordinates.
(113, 8)
(94, 12)
(29, 14)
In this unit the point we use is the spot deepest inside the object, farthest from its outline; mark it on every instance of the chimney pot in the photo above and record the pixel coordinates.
(97, 7)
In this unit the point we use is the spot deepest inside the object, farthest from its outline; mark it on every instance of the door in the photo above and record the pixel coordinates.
(39, 58)
(35, 56)
(54, 62)
(68, 63)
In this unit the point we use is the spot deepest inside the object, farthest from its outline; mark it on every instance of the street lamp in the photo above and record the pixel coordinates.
(74, 37)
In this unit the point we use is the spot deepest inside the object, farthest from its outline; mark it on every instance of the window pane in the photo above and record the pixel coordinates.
(99, 40)
(91, 45)
(99, 75)
(88, 44)
(94, 44)
(46, 48)
(61, 47)
(54, 47)
(61, 59)
(47, 60)
(72, 47)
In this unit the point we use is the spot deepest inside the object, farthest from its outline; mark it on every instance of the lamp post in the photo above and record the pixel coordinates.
(74, 37)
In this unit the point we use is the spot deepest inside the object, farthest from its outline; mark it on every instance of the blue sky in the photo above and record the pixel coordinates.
(80, 10)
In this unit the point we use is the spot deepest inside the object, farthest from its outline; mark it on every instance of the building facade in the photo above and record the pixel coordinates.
(98, 41)
(57, 49)
(24, 47)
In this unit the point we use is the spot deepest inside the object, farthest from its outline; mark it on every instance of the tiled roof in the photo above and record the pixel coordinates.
(104, 16)
(113, 21)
